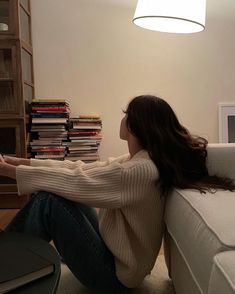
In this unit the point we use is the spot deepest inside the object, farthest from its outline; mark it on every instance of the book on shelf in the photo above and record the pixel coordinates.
(91, 127)
(44, 131)
(46, 127)
(54, 133)
(86, 120)
(84, 139)
(83, 148)
(49, 120)
(49, 101)
(19, 265)
(48, 149)
(50, 156)
(83, 133)
(45, 143)
(89, 116)
(50, 109)
(49, 114)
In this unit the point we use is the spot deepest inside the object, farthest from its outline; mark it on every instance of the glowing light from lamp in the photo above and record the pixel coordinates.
(172, 16)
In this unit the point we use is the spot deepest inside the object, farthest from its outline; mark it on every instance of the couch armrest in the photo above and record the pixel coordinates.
(222, 279)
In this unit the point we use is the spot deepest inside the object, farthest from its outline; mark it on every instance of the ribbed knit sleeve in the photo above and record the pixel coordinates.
(99, 186)
(75, 164)
(56, 163)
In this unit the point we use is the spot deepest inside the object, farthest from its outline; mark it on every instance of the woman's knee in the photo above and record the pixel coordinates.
(43, 195)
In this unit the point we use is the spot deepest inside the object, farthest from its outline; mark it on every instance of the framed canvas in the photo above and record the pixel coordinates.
(227, 122)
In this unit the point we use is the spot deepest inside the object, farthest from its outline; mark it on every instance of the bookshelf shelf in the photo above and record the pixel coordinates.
(16, 88)
(2, 80)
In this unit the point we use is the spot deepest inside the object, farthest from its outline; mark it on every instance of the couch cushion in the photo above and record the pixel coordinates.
(201, 225)
(222, 278)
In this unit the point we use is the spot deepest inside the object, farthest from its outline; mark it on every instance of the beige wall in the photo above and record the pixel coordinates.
(89, 52)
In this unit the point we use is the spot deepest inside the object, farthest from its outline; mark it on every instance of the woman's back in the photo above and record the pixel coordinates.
(133, 232)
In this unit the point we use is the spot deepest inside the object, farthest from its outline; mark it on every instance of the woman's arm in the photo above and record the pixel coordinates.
(60, 164)
(16, 160)
(76, 164)
(98, 187)
(39, 162)
(6, 169)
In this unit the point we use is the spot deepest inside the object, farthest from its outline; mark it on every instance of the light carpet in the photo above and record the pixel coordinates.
(156, 283)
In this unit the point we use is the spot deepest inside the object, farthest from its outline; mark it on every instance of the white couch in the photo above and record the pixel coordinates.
(200, 235)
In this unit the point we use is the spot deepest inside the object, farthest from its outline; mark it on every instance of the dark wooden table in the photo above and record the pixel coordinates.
(44, 285)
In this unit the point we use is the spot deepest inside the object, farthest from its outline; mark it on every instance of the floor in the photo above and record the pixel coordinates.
(6, 215)
(156, 283)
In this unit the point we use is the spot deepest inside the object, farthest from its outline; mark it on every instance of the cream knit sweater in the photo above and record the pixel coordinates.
(130, 217)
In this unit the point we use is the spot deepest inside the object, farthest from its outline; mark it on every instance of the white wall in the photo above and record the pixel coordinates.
(89, 52)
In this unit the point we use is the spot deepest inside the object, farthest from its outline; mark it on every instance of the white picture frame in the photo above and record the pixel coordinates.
(227, 122)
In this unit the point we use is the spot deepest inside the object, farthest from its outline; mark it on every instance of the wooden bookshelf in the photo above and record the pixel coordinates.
(16, 89)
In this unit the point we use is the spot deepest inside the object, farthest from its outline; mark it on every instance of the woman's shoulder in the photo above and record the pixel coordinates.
(140, 160)
(139, 171)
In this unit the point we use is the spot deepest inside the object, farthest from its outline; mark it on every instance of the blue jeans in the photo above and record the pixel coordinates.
(74, 229)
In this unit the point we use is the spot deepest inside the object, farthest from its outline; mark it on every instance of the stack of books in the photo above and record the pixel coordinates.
(84, 137)
(49, 128)
(56, 135)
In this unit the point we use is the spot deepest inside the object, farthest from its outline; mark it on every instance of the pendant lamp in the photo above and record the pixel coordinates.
(172, 16)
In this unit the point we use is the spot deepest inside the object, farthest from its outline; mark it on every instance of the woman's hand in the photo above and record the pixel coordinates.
(7, 170)
(16, 161)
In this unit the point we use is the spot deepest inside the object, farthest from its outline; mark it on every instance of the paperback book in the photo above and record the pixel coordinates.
(20, 265)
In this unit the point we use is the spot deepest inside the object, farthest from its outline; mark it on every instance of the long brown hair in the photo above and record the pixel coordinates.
(179, 156)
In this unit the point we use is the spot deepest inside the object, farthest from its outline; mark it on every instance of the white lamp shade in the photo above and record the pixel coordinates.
(172, 16)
